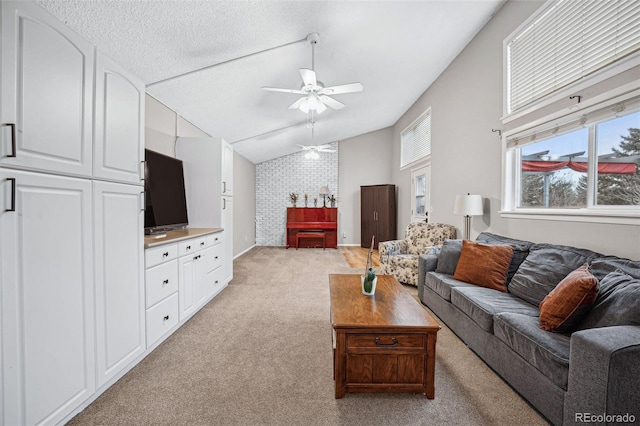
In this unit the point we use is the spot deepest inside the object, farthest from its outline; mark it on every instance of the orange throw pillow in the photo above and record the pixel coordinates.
(484, 265)
(567, 304)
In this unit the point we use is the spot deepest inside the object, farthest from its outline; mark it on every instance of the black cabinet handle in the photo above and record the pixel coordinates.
(393, 339)
(166, 318)
(188, 247)
(165, 254)
(202, 244)
(165, 282)
(216, 257)
(13, 139)
(13, 195)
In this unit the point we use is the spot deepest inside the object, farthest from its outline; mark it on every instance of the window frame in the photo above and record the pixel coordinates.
(592, 212)
(616, 67)
(425, 158)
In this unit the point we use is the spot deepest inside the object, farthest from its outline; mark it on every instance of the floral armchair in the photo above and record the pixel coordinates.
(400, 257)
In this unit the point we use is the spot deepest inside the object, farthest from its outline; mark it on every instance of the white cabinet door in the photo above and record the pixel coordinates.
(119, 123)
(47, 88)
(227, 169)
(46, 277)
(187, 267)
(227, 239)
(119, 271)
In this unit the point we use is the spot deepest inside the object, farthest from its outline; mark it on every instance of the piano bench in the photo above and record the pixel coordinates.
(311, 234)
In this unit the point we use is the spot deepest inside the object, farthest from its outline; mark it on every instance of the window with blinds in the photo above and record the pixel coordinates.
(416, 140)
(566, 42)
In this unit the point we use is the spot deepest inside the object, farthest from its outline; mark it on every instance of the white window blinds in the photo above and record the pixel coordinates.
(416, 140)
(566, 42)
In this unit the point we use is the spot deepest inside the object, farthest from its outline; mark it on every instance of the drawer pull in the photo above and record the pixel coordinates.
(165, 282)
(216, 257)
(166, 318)
(165, 254)
(202, 244)
(188, 247)
(393, 339)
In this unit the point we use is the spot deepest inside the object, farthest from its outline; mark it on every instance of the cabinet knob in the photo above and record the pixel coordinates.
(202, 244)
(165, 254)
(216, 257)
(165, 282)
(166, 318)
(216, 281)
(188, 247)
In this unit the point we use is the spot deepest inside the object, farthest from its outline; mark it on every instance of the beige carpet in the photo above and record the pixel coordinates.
(260, 354)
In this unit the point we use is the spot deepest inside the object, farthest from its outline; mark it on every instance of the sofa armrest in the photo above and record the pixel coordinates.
(604, 373)
(426, 263)
(390, 248)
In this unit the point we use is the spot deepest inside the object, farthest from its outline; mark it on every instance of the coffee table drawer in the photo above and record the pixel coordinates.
(385, 341)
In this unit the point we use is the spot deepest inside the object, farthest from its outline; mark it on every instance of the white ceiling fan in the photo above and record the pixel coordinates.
(317, 148)
(315, 94)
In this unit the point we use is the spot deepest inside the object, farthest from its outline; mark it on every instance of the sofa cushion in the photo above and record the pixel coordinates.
(547, 352)
(567, 304)
(545, 266)
(618, 302)
(443, 283)
(520, 250)
(604, 265)
(481, 304)
(448, 257)
(484, 265)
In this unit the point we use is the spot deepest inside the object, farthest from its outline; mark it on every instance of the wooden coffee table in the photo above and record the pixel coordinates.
(382, 343)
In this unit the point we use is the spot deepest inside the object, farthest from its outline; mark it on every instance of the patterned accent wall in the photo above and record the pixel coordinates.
(277, 178)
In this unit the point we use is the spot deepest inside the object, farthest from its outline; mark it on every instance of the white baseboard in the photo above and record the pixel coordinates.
(240, 254)
(348, 245)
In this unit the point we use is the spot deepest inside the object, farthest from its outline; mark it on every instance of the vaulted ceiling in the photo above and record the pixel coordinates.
(396, 49)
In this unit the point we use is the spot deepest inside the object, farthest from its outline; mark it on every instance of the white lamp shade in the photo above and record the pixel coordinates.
(324, 190)
(468, 205)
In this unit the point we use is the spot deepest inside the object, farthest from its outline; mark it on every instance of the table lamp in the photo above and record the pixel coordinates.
(324, 191)
(468, 205)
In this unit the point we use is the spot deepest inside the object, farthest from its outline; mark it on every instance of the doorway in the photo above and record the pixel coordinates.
(420, 193)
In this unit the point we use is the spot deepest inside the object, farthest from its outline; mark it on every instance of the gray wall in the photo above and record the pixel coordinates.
(163, 126)
(466, 102)
(363, 160)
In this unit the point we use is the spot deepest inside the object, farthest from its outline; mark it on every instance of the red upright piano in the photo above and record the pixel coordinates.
(310, 220)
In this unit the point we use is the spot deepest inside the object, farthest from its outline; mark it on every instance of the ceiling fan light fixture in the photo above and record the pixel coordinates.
(311, 155)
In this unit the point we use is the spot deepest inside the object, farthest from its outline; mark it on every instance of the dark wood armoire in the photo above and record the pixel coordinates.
(377, 213)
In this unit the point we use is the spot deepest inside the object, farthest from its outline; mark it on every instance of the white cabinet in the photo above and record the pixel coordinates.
(180, 278)
(161, 283)
(119, 269)
(119, 123)
(68, 329)
(227, 169)
(208, 165)
(47, 89)
(46, 276)
(227, 239)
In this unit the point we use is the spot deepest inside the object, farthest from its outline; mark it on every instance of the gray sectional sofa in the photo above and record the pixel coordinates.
(592, 373)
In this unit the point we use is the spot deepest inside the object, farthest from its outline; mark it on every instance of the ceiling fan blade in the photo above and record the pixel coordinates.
(331, 102)
(320, 108)
(343, 88)
(277, 89)
(326, 150)
(308, 76)
(297, 103)
(304, 147)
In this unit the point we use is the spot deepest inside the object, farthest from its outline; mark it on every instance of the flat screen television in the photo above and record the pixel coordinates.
(165, 200)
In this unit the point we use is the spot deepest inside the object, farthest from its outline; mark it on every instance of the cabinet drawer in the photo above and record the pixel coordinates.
(213, 239)
(161, 318)
(385, 341)
(212, 257)
(191, 246)
(161, 281)
(157, 255)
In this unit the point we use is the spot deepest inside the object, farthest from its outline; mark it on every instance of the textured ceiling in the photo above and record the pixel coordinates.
(396, 49)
